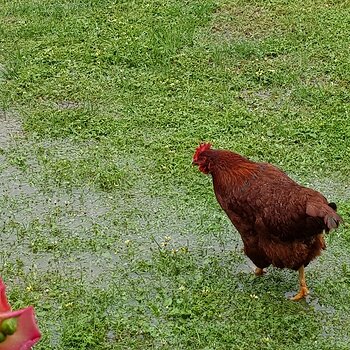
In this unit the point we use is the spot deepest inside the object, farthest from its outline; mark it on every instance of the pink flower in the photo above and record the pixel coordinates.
(18, 329)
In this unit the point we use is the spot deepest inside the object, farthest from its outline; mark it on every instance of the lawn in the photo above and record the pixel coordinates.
(105, 226)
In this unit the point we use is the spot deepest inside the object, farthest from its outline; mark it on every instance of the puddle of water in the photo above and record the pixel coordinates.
(315, 304)
(312, 302)
(246, 267)
(289, 295)
(76, 211)
(139, 217)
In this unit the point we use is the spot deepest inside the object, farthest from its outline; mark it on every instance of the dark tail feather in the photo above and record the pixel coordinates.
(333, 206)
(328, 212)
(332, 221)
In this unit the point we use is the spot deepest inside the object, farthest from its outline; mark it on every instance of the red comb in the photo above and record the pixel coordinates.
(201, 148)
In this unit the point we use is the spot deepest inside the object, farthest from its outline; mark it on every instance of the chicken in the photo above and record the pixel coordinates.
(281, 222)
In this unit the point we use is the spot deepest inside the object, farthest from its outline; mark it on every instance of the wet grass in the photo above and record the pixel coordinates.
(106, 228)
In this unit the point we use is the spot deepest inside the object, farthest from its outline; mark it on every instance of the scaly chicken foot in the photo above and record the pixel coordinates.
(259, 272)
(303, 291)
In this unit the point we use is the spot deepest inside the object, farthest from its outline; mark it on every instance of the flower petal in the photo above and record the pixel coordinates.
(4, 305)
(27, 333)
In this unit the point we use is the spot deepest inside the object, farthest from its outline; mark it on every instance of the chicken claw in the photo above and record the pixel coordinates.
(259, 272)
(303, 292)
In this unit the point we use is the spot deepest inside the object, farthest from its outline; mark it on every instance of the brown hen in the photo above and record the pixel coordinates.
(281, 222)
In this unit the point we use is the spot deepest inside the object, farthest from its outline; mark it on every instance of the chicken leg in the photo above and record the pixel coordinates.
(303, 291)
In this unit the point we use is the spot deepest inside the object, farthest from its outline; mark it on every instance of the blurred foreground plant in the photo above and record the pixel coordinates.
(18, 329)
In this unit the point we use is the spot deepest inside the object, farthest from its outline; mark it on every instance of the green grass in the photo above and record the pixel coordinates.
(106, 228)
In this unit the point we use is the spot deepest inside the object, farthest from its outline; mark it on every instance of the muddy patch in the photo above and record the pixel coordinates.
(69, 105)
(237, 22)
(10, 126)
(266, 99)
